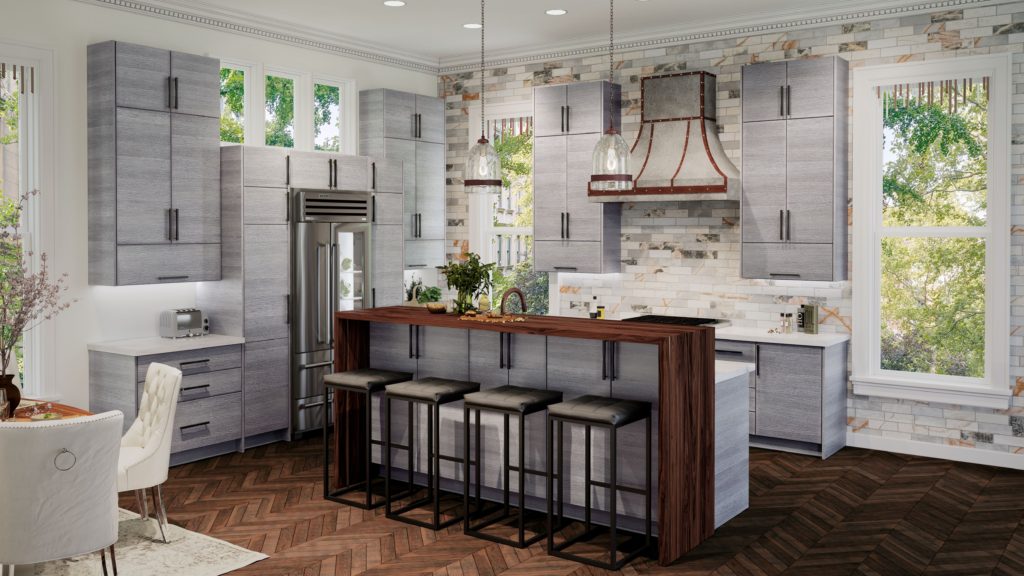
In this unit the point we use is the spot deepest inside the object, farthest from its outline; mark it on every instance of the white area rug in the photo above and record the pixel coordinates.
(141, 552)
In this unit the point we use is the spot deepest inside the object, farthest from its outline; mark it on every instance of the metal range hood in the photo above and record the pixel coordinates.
(677, 154)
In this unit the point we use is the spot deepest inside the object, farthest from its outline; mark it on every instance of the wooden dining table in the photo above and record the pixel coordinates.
(23, 413)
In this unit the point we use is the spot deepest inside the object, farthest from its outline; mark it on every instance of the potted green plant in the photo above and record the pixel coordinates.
(469, 279)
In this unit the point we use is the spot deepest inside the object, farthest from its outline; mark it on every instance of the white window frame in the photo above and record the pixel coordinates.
(254, 123)
(348, 118)
(992, 391)
(37, 173)
(302, 129)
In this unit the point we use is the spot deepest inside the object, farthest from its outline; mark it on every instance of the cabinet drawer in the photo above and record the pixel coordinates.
(735, 351)
(265, 166)
(774, 261)
(205, 385)
(424, 253)
(265, 205)
(207, 421)
(194, 362)
(167, 263)
(567, 256)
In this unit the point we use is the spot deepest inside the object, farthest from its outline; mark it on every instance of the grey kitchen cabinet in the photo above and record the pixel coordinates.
(329, 171)
(208, 419)
(265, 205)
(566, 223)
(394, 347)
(580, 366)
(794, 198)
(797, 394)
(265, 265)
(266, 167)
(410, 128)
(266, 393)
(425, 351)
(499, 359)
(578, 108)
(153, 166)
(633, 370)
(388, 248)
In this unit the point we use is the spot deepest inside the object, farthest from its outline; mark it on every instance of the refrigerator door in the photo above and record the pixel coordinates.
(351, 263)
(308, 371)
(311, 279)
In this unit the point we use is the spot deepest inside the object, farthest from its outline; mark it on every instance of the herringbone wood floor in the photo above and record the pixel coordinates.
(859, 512)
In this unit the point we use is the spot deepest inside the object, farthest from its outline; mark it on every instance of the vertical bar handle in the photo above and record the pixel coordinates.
(782, 223)
(562, 112)
(788, 219)
(177, 225)
(170, 92)
(170, 226)
(757, 359)
(782, 100)
(508, 350)
(175, 93)
(288, 170)
(410, 341)
(501, 349)
(373, 176)
(604, 360)
(789, 101)
(568, 116)
(330, 174)
(319, 293)
(568, 233)
(562, 216)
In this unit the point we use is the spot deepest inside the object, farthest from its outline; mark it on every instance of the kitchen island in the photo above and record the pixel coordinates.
(700, 442)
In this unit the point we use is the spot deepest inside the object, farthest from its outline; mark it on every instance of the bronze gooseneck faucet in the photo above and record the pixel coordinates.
(522, 299)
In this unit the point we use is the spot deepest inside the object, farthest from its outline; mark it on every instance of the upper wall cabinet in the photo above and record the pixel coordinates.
(793, 207)
(409, 128)
(154, 166)
(581, 108)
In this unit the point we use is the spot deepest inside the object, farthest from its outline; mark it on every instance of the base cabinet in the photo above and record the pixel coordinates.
(267, 387)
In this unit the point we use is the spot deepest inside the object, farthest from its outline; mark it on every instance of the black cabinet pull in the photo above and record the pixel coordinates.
(562, 215)
(288, 170)
(568, 114)
(170, 225)
(612, 370)
(782, 100)
(190, 388)
(162, 278)
(373, 176)
(604, 360)
(373, 208)
(170, 92)
(183, 428)
(417, 342)
(410, 341)
(287, 308)
(175, 93)
(191, 362)
(508, 350)
(373, 297)
(566, 268)
(177, 226)
(757, 359)
(287, 207)
(562, 112)
(501, 349)
(783, 275)
(789, 101)
(788, 219)
(335, 172)
(782, 227)
(330, 174)
(733, 352)
(568, 233)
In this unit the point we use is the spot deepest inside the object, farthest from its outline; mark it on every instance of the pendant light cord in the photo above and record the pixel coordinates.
(611, 40)
(483, 116)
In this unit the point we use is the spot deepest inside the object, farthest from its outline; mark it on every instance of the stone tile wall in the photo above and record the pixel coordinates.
(682, 258)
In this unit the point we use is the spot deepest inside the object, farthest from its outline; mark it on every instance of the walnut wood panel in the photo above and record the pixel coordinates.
(686, 397)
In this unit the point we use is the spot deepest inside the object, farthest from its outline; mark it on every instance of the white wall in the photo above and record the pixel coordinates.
(67, 27)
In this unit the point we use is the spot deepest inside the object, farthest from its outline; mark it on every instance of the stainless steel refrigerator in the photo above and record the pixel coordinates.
(331, 262)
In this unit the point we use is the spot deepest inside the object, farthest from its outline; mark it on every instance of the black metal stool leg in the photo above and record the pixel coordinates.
(522, 479)
(586, 479)
(507, 463)
(549, 441)
(465, 468)
(411, 444)
(647, 486)
(436, 469)
(561, 476)
(613, 500)
(387, 455)
(368, 398)
(479, 461)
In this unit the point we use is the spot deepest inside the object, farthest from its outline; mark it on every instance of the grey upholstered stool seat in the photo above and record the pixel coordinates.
(355, 389)
(438, 390)
(602, 410)
(370, 379)
(431, 393)
(514, 399)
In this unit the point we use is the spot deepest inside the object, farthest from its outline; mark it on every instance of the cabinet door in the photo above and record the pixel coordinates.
(584, 219)
(142, 75)
(575, 367)
(399, 109)
(527, 361)
(430, 185)
(788, 393)
(549, 180)
(566, 256)
(387, 209)
(198, 84)
(267, 389)
(392, 347)
(195, 178)
(265, 166)
(311, 170)
(431, 115)
(586, 110)
(264, 205)
(636, 372)
(764, 181)
(486, 365)
(386, 288)
(424, 253)
(761, 94)
(388, 176)
(811, 85)
(353, 172)
(143, 177)
(443, 353)
(167, 263)
(549, 110)
(266, 278)
(404, 151)
(787, 261)
(810, 180)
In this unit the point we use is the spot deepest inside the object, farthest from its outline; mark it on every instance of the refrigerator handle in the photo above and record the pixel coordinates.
(319, 294)
(332, 291)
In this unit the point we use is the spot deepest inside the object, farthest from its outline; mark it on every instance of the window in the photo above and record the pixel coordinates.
(279, 94)
(232, 105)
(326, 117)
(501, 226)
(931, 205)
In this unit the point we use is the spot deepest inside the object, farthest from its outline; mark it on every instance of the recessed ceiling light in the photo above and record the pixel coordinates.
(472, 26)
(394, 3)
(555, 12)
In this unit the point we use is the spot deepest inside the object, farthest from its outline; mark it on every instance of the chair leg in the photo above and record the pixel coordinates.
(113, 559)
(143, 502)
(161, 518)
(103, 560)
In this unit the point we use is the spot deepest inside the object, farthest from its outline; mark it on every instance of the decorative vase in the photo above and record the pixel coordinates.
(12, 391)
(463, 302)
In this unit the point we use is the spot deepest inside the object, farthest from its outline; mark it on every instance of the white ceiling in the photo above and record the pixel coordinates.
(431, 30)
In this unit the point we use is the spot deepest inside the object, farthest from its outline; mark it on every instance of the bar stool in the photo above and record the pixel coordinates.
(432, 393)
(365, 381)
(509, 401)
(610, 414)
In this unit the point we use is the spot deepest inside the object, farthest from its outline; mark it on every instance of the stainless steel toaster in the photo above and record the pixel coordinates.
(184, 323)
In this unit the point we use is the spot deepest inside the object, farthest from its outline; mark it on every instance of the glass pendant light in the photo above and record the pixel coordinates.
(611, 154)
(483, 168)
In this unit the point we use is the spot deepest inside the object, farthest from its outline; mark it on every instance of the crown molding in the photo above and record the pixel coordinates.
(203, 14)
(746, 26)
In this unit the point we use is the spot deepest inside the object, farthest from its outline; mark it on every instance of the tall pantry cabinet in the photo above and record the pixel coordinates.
(154, 165)
(409, 128)
(794, 198)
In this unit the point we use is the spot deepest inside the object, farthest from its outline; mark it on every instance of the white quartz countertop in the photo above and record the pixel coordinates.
(725, 370)
(157, 345)
(796, 339)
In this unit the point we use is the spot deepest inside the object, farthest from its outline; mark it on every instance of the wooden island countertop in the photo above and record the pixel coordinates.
(686, 398)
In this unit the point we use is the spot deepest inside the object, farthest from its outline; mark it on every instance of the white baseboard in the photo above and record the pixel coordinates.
(930, 450)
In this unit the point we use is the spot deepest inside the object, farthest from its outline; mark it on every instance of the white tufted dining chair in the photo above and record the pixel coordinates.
(58, 489)
(146, 447)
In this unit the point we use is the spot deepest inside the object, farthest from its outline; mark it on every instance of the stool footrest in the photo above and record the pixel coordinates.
(638, 540)
(619, 487)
